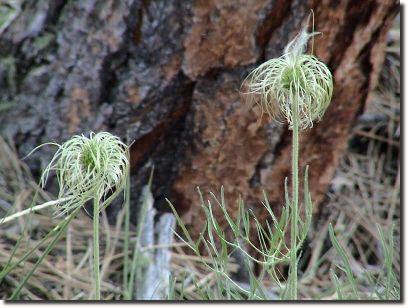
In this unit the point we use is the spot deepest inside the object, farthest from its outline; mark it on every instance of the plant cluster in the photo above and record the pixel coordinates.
(294, 89)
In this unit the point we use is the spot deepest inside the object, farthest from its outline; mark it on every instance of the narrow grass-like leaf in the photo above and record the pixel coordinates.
(308, 205)
(9, 268)
(347, 268)
(189, 241)
(171, 296)
(337, 285)
(136, 250)
(374, 283)
(255, 286)
(201, 293)
(388, 251)
(64, 226)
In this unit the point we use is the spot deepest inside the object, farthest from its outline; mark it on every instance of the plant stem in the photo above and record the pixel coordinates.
(96, 249)
(126, 289)
(295, 200)
(33, 209)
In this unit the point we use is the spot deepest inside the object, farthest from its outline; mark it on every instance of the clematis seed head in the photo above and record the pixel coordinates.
(293, 78)
(88, 168)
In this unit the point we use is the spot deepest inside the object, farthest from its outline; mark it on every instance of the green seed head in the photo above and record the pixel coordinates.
(294, 78)
(88, 157)
(89, 168)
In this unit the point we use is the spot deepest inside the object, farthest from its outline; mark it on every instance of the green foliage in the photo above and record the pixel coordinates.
(383, 288)
(220, 247)
(347, 268)
(138, 262)
(9, 11)
(59, 229)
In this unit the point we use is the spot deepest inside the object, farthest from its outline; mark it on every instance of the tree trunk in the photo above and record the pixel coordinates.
(167, 74)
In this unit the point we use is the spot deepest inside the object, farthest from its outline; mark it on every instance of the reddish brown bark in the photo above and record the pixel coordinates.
(247, 155)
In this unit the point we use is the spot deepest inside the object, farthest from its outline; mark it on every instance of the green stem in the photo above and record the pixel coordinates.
(96, 249)
(126, 289)
(295, 200)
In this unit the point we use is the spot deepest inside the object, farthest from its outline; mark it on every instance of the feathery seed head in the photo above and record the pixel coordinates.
(89, 168)
(294, 78)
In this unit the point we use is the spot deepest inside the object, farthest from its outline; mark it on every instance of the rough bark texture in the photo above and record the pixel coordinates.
(167, 74)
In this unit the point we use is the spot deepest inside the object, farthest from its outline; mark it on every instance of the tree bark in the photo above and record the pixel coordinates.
(166, 75)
